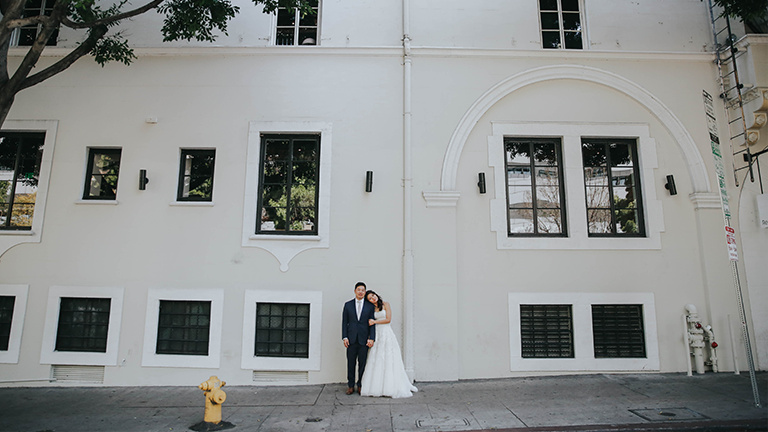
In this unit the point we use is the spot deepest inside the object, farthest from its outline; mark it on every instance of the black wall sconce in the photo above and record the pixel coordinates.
(143, 180)
(670, 185)
(369, 181)
(481, 182)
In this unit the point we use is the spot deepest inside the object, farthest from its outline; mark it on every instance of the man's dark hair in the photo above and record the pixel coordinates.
(360, 284)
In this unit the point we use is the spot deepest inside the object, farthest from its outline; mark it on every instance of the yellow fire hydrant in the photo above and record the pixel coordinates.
(214, 397)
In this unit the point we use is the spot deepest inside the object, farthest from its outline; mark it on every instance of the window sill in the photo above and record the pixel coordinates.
(191, 204)
(285, 237)
(97, 202)
(17, 232)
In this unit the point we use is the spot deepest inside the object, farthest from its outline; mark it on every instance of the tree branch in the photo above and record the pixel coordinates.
(21, 22)
(109, 20)
(84, 48)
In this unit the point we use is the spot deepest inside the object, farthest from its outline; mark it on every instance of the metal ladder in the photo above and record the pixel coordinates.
(731, 91)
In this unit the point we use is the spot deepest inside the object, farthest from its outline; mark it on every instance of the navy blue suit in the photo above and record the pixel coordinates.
(357, 331)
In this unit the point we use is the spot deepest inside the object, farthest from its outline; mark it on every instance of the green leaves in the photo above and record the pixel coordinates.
(745, 9)
(113, 48)
(195, 19)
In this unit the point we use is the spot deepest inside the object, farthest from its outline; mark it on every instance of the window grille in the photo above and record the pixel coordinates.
(288, 186)
(196, 175)
(612, 187)
(83, 324)
(546, 331)
(183, 327)
(6, 317)
(618, 331)
(282, 330)
(535, 196)
(295, 27)
(20, 158)
(102, 174)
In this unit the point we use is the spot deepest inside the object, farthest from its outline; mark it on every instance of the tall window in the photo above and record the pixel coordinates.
(183, 327)
(535, 196)
(560, 24)
(83, 324)
(6, 318)
(618, 331)
(612, 183)
(546, 331)
(20, 158)
(101, 174)
(196, 175)
(288, 187)
(28, 34)
(296, 27)
(282, 330)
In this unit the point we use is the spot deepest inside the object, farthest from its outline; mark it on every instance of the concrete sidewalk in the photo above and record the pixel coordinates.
(602, 402)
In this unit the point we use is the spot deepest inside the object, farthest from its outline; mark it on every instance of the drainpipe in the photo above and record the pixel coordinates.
(408, 315)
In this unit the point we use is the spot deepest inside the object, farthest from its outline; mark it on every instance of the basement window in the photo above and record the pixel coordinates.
(618, 331)
(83, 324)
(183, 327)
(282, 330)
(546, 331)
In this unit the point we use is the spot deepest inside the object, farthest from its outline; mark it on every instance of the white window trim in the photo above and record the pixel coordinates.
(150, 358)
(251, 362)
(11, 355)
(49, 355)
(286, 247)
(11, 238)
(583, 343)
(273, 35)
(573, 173)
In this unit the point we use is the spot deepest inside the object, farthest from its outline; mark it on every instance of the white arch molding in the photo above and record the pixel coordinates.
(696, 168)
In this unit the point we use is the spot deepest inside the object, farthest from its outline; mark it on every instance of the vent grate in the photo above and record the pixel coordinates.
(618, 331)
(281, 376)
(78, 374)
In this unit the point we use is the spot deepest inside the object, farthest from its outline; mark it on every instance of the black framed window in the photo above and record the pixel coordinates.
(282, 330)
(196, 175)
(535, 192)
(297, 27)
(102, 173)
(83, 324)
(288, 184)
(28, 33)
(560, 24)
(6, 319)
(612, 184)
(618, 331)
(183, 327)
(546, 331)
(20, 158)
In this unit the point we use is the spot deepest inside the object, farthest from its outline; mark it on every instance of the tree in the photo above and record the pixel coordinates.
(184, 20)
(746, 10)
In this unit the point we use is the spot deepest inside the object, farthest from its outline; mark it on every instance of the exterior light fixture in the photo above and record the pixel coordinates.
(143, 180)
(670, 185)
(369, 181)
(481, 182)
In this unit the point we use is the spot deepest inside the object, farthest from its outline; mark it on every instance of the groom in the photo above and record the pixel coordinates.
(357, 335)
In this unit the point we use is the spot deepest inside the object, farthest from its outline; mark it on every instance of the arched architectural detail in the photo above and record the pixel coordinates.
(696, 168)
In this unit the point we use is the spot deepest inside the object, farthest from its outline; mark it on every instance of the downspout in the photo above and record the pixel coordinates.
(408, 315)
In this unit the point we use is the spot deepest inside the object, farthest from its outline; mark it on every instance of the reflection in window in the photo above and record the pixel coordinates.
(288, 186)
(183, 327)
(83, 324)
(28, 33)
(560, 24)
(20, 157)
(297, 27)
(611, 180)
(196, 175)
(6, 318)
(535, 196)
(102, 173)
(282, 330)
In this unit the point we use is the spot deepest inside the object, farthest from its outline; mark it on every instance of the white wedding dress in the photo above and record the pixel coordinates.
(384, 371)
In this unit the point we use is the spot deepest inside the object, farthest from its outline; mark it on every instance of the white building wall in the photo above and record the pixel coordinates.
(146, 245)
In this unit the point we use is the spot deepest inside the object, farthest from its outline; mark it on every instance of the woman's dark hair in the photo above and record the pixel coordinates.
(379, 303)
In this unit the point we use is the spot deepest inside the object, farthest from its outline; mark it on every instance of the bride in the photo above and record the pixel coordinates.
(384, 371)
